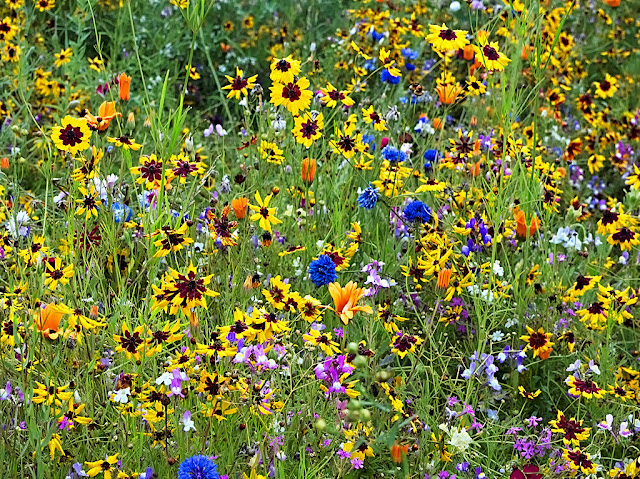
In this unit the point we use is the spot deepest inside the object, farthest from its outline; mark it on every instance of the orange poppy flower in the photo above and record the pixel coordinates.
(4, 163)
(106, 113)
(308, 170)
(397, 452)
(474, 168)
(239, 207)
(48, 321)
(346, 299)
(443, 278)
(468, 52)
(437, 123)
(522, 230)
(613, 3)
(526, 49)
(448, 93)
(124, 83)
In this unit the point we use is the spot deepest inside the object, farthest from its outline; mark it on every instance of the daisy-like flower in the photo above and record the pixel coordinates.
(73, 136)
(44, 5)
(239, 85)
(183, 167)
(56, 274)
(308, 128)
(539, 342)
(50, 395)
(323, 340)
(624, 237)
(271, 152)
(345, 299)
(607, 87)
(283, 70)
(132, 343)
(331, 96)
(403, 344)
(584, 388)
(89, 203)
(573, 432)
(264, 214)
(63, 57)
(490, 56)
(171, 240)
(443, 38)
(106, 466)
(475, 87)
(277, 293)
(348, 142)
(294, 96)
(371, 116)
(150, 171)
(221, 228)
(579, 461)
(125, 142)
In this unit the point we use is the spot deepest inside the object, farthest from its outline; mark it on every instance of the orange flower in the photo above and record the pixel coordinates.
(124, 83)
(308, 170)
(346, 299)
(521, 227)
(613, 3)
(448, 93)
(526, 49)
(48, 321)
(239, 207)
(106, 113)
(443, 278)
(474, 168)
(437, 123)
(468, 52)
(4, 163)
(397, 452)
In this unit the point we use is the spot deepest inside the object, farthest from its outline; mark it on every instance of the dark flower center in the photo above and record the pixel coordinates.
(447, 34)
(71, 135)
(490, 53)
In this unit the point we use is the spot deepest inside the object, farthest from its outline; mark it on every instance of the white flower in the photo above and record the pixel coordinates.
(460, 439)
(122, 395)
(497, 336)
(455, 6)
(165, 379)
(497, 269)
(187, 422)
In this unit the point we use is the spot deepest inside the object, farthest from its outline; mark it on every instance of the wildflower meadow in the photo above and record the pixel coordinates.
(319, 239)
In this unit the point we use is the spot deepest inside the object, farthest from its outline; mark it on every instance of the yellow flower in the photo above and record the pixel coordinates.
(106, 466)
(73, 136)
(443, 38)
(283, 70)
(264, 214)
(294, 96)
(63, 57)
(238, 85)
(489, 56)
(307, 128)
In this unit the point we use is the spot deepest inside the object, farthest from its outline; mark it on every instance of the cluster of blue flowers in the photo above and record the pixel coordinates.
(393, 155)
(322, 270)
(369, 197)
(417, 211)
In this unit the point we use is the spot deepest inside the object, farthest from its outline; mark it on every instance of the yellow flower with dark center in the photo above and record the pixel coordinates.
(63, 57)
(239, 85)
(171, 240)
(607, 87)
(573, 432)
(490, 57)
(584, 388)
(294, 96)
(277, 293)
(55, 274)
(308, 128)
(284, 70)
(132, 343)
(271, 152)
(331, 96)
(51, 395)
(150, 171)
(323, 341)
(371, 116)
(264, 214)
(105, 466)
(539, 341)
(125, 142)
(89, 203)
(579, 461)
(443, 39)
(73, 136)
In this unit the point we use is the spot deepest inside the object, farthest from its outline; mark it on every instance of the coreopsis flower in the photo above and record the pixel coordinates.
(44, 5)
(345, 300)
(323, 340)
(72, 416)
(331, 96)
(277, 293)
(348, 142)
(581, 286)
(402, 344)
(55, 274)
(36, 251)
(475, 87)
(90, 202)
(125, 142)
(579, 461)
(171, 240)
(106, 113)
(182, 292)
(389, 319)
(88, 167)
(490, 57)
(584, 388)
(271, 152)
(443, 39)
(150, 171)
(284, 70)
(238, 85)
(221, 228)
(369, 116)
(308, 128)
(183, 167)
(51, 395)
(264, 214)
(573, 432)
(607, 87)
(107, 466)
(624, 237)
(133, 343)
(528, 395)
(7, 29)
(73, 136)
(294, 96)
(63, 57)
(538, 341)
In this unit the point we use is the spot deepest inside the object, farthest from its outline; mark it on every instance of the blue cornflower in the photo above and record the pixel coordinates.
(385, 76)
(369, 197)
(198, 467)
(409, 54)
(392, 154)
(375, 35)
(322, 270)
(417, 211)
(121, 212)
(430, 157)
